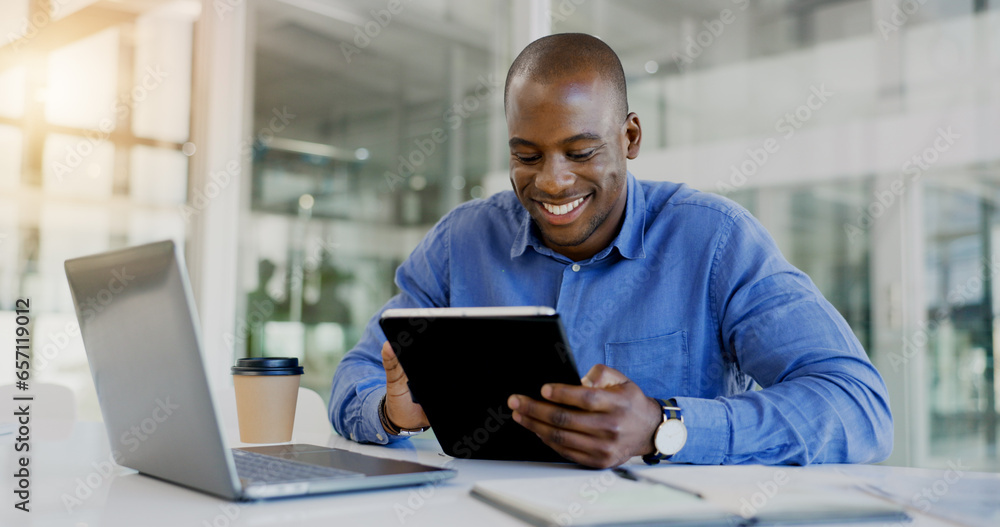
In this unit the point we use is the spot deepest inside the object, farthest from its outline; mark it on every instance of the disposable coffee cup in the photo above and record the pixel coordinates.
(266, 391)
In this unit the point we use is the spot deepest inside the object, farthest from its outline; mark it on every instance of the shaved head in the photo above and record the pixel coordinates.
(570, 136)
(557, 57)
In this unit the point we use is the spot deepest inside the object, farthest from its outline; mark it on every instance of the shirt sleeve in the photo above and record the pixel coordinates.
(821, 400)
(359, 380)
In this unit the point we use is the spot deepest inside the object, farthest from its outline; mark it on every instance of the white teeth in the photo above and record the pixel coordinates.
(562, 209)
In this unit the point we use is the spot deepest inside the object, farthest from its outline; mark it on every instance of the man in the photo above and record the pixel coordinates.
(666, 292)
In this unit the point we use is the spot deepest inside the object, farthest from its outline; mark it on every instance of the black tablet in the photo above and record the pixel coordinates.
(463, 364)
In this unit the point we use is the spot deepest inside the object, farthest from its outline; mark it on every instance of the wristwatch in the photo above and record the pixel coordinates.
(670, 436)
(391, 428)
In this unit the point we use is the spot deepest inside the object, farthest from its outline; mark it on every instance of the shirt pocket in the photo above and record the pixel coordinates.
(659, 365)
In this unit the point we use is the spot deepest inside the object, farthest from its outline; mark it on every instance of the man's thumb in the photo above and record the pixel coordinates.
(388, 354)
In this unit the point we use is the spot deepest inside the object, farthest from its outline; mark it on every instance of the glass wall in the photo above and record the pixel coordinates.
(94, 124)
(962, 262)
(389, 115)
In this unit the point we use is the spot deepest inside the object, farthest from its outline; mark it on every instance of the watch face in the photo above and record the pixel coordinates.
(670, 437)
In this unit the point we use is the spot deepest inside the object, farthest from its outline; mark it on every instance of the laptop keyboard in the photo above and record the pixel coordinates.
(260, 468)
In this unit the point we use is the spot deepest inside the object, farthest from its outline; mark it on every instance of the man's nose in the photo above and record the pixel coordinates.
(555, 177)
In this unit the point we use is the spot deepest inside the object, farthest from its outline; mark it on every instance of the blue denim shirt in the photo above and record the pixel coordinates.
(692, 300)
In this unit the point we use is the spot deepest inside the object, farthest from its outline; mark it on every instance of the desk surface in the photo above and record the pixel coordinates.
(72, 485)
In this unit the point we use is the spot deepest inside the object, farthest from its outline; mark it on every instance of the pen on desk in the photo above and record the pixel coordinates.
(634, 476)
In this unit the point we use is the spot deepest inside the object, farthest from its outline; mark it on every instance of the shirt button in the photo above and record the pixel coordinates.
(379, 436)
(576, 268)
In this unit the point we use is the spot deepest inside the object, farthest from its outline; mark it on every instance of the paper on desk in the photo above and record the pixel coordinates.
(957, 494)
(777, 493)
(597, 499)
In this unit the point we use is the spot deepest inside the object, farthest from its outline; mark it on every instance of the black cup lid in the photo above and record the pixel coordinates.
(268, 366)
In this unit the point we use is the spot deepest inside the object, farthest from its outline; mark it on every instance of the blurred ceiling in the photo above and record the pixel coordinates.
(300, 45)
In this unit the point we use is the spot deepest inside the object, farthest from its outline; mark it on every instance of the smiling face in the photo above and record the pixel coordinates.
(568, 151)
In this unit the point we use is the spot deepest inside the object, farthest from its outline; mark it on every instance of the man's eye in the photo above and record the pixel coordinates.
(527, 158)
(580, 156)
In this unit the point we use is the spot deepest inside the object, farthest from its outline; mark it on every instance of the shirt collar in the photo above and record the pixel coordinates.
(629, 240)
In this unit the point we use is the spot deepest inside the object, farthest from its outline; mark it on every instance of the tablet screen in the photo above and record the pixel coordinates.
(463, 364)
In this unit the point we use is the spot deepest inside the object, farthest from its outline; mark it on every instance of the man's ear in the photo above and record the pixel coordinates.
(633, 135)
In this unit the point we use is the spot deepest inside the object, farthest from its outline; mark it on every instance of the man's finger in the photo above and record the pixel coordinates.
(557, 416)
(574, 446)
(591, 399)
(555, 437)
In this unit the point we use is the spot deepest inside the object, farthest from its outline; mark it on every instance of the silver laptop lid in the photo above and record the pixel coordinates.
(139, 328)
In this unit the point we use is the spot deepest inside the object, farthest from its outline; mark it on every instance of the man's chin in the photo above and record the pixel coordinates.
(566, 240)
(565, 236)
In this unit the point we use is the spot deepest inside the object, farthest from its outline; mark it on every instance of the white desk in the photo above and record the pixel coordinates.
(124, 498)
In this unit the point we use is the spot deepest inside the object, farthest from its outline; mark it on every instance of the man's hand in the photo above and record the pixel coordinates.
(608, 421)
(399, 406)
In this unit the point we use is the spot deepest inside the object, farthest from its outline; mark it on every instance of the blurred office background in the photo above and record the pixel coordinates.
(299, 150)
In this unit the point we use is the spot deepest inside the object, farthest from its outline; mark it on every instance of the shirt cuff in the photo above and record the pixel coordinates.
(374, 431)
(708, 430)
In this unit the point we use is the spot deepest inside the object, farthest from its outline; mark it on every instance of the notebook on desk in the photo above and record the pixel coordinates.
(141, 336)
(777, 495)
(689, 495)
(599, 498)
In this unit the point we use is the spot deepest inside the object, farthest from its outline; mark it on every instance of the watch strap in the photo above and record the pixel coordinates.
(670, 411)
(391, 427)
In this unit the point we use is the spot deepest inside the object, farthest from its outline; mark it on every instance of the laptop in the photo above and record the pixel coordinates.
(141, 335)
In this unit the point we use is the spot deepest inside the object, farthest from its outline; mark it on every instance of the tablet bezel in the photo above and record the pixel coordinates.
(465, 312)
(549, 360)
